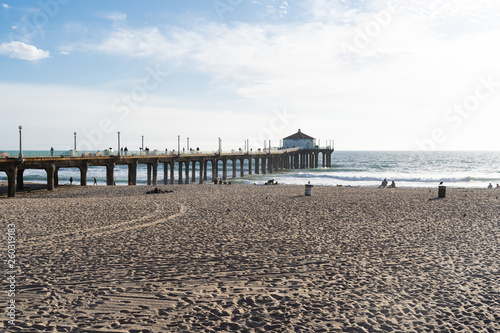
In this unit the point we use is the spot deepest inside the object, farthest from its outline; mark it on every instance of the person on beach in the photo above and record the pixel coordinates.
(490, 186)
(95, 181)
(393, 185)
(384, 184)
(71, 180)
(498, 186)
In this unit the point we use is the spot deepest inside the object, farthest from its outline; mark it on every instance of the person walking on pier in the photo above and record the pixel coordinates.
(52, 151)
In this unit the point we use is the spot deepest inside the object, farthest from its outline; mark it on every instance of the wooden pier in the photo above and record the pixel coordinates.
(261, 162)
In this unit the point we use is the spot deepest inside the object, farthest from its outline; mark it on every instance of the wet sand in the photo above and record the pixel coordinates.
(246, 258)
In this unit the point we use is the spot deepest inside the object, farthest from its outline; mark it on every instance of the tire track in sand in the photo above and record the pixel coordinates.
(112, 228)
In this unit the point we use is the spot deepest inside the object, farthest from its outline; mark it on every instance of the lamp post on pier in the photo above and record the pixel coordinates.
(119, 152)
(178, 144)
(188, 144)
(142, 143)
(20, 143)
(74, 134)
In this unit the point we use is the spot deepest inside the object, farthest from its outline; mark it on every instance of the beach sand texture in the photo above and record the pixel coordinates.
(209, 258)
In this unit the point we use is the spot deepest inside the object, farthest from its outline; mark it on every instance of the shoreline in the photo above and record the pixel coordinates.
(30, 187)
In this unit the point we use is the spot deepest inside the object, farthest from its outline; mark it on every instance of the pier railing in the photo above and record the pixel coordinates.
(191, 152)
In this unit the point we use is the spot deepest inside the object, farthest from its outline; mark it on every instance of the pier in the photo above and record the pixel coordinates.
(259, 162)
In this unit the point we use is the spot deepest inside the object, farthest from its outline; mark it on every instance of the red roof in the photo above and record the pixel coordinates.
(299, 135)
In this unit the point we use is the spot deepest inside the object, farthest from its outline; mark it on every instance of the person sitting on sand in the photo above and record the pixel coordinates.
(393, 185)
(384, 184)
(490, 186)
(498, 186)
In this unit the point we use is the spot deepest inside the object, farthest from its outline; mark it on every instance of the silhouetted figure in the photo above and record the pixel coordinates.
(71, 180)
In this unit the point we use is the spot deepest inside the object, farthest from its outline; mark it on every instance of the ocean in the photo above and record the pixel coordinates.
(349, 168)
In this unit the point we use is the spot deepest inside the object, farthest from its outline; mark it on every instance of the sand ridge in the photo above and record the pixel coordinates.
(249, 258)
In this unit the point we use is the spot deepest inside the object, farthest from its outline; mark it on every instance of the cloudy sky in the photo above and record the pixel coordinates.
(371, 75)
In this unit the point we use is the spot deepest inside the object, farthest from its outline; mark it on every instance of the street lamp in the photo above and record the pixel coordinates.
(20, 143)
(220, 146)
(187, 144)
(143, 142)
(178, 144)
(74, 133)
(119, 144)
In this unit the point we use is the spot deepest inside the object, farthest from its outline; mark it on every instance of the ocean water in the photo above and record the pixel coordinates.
(349, 168)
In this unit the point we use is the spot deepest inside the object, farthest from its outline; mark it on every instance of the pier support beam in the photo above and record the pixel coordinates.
(83, 173)
(203, 173)
(154, 165)
(56, 177)
(193, 171)
(179, 165)
(263, 161)
(187, 172)
(110, 174)
(234, 167)
(249, 165)
(51, 170)
(132, 173)
(11, 178)
(242, 167)
(172, 173)
(20, 179)
(149, 174)
(256, 165)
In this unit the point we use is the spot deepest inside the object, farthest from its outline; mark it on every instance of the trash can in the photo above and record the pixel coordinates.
(308, 190)
(442, 191)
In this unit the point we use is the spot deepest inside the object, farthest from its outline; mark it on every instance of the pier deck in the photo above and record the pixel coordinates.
(260, 162)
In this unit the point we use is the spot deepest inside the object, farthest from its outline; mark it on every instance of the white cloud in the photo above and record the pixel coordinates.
(142, 43)
(115, 17)
(6, 6)
(409, 71)
(20, 50)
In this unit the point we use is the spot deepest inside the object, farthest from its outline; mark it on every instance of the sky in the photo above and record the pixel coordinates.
(366, 75)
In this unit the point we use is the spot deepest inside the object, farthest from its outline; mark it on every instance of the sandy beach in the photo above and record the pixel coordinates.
(209, 258)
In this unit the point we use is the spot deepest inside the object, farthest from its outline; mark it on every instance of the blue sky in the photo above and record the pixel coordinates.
(372, 75)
